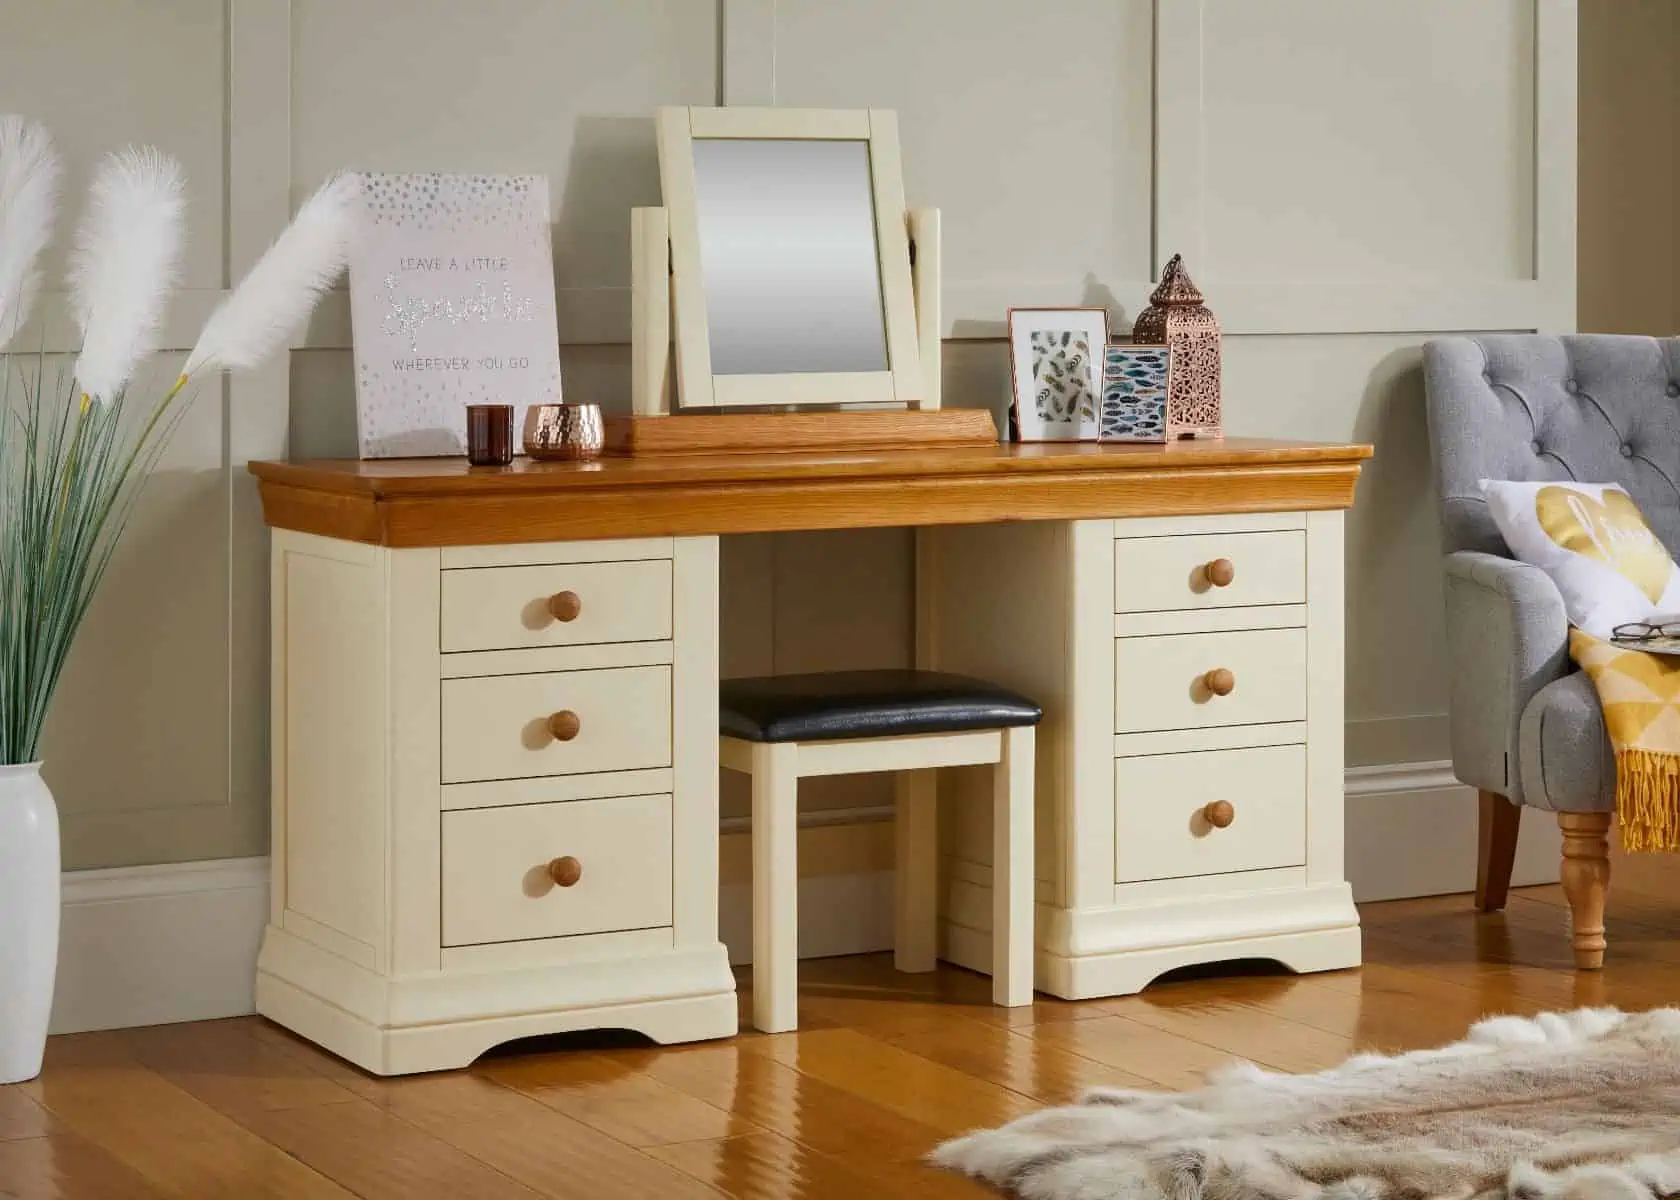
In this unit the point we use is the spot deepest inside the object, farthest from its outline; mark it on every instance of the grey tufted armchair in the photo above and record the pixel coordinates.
(1526, 725)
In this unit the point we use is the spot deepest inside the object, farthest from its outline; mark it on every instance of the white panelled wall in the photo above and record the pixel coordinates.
(1343, 179)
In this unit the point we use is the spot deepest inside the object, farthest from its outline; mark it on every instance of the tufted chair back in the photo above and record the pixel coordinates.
(1595, 408)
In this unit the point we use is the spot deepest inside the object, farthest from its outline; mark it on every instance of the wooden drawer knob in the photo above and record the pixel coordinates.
(564, 606)
(1220, 572)
(564, 725)
(568, 870)
(1219, 814)
(1219, 681)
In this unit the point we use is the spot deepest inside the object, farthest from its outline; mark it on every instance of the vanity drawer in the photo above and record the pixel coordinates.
(516, 727)
(566, 604)
(1162, 574)
(1169, 682)
(497, 885)
(1163, 831)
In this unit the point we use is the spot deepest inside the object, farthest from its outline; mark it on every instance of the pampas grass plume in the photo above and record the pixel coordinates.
(280, 290)
(29, 174)
(124, 265)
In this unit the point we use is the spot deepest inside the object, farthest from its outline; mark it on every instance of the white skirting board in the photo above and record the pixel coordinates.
(838, 914)
(178, 941)
(154, 945)
(1411, 831)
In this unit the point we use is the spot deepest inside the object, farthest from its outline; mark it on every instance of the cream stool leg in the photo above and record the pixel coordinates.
(775, 851)
(1012, 871)
(916, 890)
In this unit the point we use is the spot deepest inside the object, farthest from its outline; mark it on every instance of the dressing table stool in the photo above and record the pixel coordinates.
(779, 729)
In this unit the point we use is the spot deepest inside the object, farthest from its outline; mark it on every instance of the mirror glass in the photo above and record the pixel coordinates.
(788, 256)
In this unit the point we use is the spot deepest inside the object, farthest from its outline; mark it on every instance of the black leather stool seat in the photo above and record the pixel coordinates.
(860, 704)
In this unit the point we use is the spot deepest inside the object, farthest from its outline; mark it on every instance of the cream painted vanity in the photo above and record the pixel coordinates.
(495, 722)
(1190, 761)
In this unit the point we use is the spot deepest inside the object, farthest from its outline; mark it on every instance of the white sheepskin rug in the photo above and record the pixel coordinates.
(1568, 1106)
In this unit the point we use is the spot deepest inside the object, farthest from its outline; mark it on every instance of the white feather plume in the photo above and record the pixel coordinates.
(280, 290)
(125, 264)
(29, 174)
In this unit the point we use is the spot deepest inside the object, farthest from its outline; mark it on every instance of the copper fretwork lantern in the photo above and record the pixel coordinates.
(1177, 319)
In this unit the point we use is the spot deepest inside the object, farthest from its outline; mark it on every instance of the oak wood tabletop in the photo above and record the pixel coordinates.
(446, 502)
(416, 476)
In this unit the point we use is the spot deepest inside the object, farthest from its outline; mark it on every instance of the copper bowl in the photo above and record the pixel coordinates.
(568, 431)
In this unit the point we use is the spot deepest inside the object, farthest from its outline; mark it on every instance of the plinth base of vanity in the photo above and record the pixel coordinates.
(1129, 972)
(444, 1021)
(1083, 955)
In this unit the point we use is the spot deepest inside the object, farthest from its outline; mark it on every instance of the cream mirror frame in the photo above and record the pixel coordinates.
(900, 381)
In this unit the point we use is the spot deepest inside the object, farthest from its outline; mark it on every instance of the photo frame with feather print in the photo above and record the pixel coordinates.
(1056, 362)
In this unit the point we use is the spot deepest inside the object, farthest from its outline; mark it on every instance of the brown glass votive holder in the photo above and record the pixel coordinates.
(489, 434)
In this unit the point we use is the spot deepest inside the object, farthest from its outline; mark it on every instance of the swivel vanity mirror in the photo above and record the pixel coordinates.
(805, 296)
(790, 266)
(790, 262)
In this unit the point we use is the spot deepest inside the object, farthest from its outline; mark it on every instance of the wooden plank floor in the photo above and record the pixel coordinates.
(883, 1067)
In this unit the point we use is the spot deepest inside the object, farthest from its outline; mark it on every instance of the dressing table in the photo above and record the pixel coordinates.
(495, 755)
(495, 713)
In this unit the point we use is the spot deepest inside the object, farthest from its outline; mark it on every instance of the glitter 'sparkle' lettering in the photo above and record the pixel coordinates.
(407, 316)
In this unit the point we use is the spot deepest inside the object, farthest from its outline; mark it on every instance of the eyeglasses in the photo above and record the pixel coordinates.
(1641, 631)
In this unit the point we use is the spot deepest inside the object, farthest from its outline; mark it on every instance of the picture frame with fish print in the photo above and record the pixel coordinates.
(1133, 406)
(1055, 362)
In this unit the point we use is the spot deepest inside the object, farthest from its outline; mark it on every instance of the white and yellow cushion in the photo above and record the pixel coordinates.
(1593, 542)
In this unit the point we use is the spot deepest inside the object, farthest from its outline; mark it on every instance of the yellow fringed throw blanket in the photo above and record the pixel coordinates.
(1640, 693)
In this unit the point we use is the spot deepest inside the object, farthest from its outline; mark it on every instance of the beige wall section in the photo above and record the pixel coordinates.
(95, 71)
(1343, 178)
(140, 746)
(157, 747)
(1333, 173)
(1359, 143)
(1042, 176)
(1630, 164)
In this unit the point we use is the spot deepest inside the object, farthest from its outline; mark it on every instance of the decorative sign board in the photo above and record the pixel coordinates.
(451, 303)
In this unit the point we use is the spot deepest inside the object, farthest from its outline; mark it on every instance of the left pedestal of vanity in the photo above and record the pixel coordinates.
(494, 796)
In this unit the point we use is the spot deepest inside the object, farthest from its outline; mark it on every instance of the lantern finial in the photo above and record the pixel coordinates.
(1177, 319)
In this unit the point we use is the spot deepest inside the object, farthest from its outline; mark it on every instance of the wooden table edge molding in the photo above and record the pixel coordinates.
(444, 502)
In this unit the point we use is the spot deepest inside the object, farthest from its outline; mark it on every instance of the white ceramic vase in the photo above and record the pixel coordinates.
(29, 902)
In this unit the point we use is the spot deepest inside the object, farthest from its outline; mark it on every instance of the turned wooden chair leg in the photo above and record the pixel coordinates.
(1586, 878)
(1497, 850)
